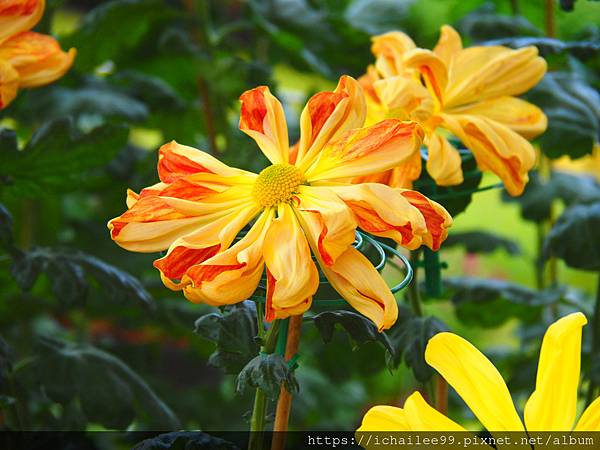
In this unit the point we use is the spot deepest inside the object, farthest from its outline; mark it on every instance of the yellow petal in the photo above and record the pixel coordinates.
(233, 275)
(401, 176)
(389, 49)
(262, 118)
(327, 115)
(17, 16)
(357, 281)
(590, 419)
(448, 45)
(422, 417)
(292, 276)
(9, 84)
(432, 68)
(443, 162)
(475, 379)
(367, 150)
(384, 418)
(553, 404)
(403, 98)
(523, 117)
(495, 147)
(481, 73)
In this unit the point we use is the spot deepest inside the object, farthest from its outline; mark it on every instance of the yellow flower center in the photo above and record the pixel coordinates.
(276, 184)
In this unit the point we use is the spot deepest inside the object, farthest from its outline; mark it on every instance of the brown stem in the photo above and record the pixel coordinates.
(284, 403)
(550, 30)
(441, 394)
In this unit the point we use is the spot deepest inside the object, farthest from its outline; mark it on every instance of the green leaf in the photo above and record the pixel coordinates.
(377, 16)
(58, 158)
(360, 329)
(234, 330)
(5, 365)
(188, 440)
(485, 23)
(550, 46)
(409, 337)
(109, 392)
(573, 110)
(69, 272)
(575, 237)
(482, 242)
(6, 230)
(269, 373)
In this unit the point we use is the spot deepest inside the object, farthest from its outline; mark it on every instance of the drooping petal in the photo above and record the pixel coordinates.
(384, 418)
(495, 147)
(443, 161)
(9, 84)
(590, 419)
(205, 242)
(448, 45)
(357, 281)
(262, 118)
(384, 211)
(36, 57)
(553, 404)
(292, 276)
(523, 117)
(233, 275)
(176, 161)
(389, 49)
(475, 379)
(367, 150)
(481, 73)
(432, 68)
(327, 220)
(437, 219)
(404, 98)
(327, 115)
(422, 417)
(17, 16)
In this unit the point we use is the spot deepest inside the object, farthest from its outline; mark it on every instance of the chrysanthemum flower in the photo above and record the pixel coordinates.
(299, 203)
(27, 59)
(551, 407)
(468, 93)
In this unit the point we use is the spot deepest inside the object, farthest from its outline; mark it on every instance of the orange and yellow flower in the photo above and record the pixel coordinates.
(301, 203)
(551, 407)
(27, 59)
(469, 93)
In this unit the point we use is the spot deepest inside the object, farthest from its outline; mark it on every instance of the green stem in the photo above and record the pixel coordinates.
(412, 290)
(591, 394)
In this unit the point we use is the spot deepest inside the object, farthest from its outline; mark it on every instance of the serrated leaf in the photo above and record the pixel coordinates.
(409, 337)
(58, 158)
(575, 237)
(269, 373)
(359, 328)
(482, 242)
(69, 273)
(189, 440)
(234, 331)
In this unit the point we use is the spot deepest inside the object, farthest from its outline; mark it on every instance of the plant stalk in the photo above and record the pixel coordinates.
(412, 290)
(591, 393)
(441, 394)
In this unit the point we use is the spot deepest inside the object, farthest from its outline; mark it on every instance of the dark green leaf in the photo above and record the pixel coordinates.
(575, 237)
(482, 242)
(409, 337)
(573, 110)
(234, 331)
(185, 440)
(58, 158)
(549, 46)
(377, 16)
(5, 365)
(6, 230)
(359, 328)
(269, 373)
(485, 23)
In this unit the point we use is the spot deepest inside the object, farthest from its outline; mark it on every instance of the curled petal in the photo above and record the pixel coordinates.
(481, 73)
(17, 16)
(404, 97)
(357, 281)
(590, 419)
(233, 275)
(384, 418)
(292, 277)
(327, 115)
(443, 162)
(475, 379)
(448, 45)
(389, 49)
(383, 211)
(422, 417)
(553, 404)
(496, 148)
(9, 83)
(176, 161)
(262, 118)
(523, 117)
(327, 220)
(432, 68)
(203, 243)
(437, 219)
(367, 150)
(37, 58)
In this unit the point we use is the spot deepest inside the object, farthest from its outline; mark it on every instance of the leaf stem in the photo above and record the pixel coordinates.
(412, 290)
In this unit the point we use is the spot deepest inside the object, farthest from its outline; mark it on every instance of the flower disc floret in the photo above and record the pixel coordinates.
(276, 184)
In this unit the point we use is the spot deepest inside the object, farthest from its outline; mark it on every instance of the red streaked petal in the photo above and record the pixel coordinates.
(437, 219)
